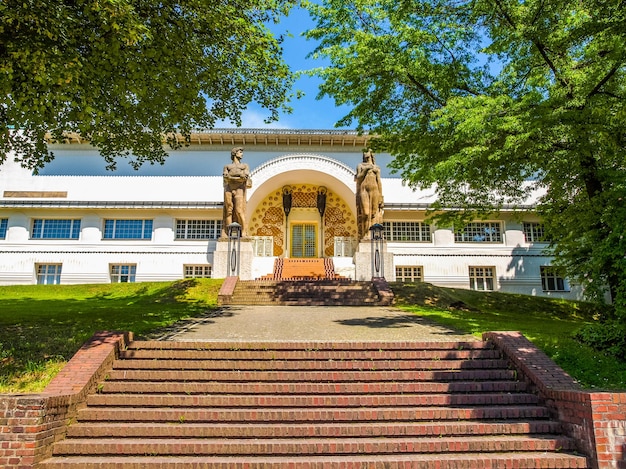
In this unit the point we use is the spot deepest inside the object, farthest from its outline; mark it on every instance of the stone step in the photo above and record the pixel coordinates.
(308, 376)
(308, 365)
(308, 446)
(320, 355)
(296, 388)
(303, 430)
(329, 400)
(505, 460)
(313, 346)
(308, 414)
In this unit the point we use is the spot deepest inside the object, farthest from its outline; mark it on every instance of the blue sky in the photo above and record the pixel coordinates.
(308, 112)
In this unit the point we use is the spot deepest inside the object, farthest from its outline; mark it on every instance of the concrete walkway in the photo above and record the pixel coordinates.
(304, 323)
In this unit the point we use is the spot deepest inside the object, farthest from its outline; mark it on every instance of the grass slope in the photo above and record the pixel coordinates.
(548, 323)
(42, 326)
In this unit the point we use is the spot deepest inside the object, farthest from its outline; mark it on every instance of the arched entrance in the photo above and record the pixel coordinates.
(305, 230)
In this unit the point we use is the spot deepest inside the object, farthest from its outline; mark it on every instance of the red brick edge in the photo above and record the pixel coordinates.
(595, 420)
(225, 295)
(31, 423)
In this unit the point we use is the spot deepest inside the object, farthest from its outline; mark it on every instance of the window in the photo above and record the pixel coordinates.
(481, 278)
(409, 273)
(551, 280)
(4, 224)
(55, 229)
(480, 232)
(407, 231)
(344, 246)
(198, 229)
(534, 232)
(197, 271)
(123, 273)
(48, 274)
(263, 246)
(127, 229)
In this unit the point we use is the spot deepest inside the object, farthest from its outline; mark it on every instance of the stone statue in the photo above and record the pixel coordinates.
(369, 194)
(236, 181)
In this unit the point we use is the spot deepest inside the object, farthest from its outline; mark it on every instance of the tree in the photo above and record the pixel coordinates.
(127, 74)
(491, 100)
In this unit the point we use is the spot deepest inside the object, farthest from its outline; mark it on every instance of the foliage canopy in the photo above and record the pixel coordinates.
(494, 101)
(125, 73)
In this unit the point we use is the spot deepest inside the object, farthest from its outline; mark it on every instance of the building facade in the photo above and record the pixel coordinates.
(77, 223)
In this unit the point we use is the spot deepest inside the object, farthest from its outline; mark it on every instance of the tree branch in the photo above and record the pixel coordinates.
(606, 78)
(425, 90)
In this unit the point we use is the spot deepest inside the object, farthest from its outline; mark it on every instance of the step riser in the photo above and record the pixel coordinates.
(410, 461)
(307, 365)
(307, 355)
(189, 388)
(182, 415)
(249, 430)
(313, 346)
(311, 376)
(310, 401)
(290, 447)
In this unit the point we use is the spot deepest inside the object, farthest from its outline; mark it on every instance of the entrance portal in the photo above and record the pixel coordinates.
(303, 240)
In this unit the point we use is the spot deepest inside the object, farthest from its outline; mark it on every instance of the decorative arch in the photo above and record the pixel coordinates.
(305, 173)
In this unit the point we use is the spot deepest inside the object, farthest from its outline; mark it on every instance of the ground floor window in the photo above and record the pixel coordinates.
(198, 271)
(482, 278)
(551, 280)
(123, 273)
(409, 273)
(48, 274)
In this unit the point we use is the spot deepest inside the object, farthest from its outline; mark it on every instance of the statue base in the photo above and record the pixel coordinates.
(363, 262)
(222, 255)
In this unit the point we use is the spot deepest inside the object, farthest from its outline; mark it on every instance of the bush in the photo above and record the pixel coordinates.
(608, 337)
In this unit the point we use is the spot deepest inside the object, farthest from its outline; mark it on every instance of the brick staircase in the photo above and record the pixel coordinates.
(312, 405)
(305, 292)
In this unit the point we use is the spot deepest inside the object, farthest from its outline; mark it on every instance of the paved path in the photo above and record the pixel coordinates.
(323, 323)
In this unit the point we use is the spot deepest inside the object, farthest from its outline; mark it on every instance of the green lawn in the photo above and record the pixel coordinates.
(548, 323)
(41, 327)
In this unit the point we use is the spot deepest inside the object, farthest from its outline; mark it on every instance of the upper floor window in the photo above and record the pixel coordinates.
(534, 232)
(4, 224)
(127, 229)
(55, 229)
(407, 231)
(48, 274)
(198, 229)
(480, 232)
(551, 279)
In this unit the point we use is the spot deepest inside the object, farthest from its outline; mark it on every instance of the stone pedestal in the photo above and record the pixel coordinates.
(221, 256)
(363, 262)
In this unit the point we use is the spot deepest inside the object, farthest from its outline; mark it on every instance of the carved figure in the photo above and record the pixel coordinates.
(369, 194)
(236, 181)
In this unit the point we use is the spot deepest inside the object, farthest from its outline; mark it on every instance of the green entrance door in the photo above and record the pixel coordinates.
(303, 240)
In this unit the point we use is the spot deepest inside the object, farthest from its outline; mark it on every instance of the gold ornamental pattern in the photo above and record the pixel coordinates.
(268, 218)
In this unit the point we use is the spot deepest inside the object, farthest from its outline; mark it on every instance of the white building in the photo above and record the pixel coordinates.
(77, 223)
